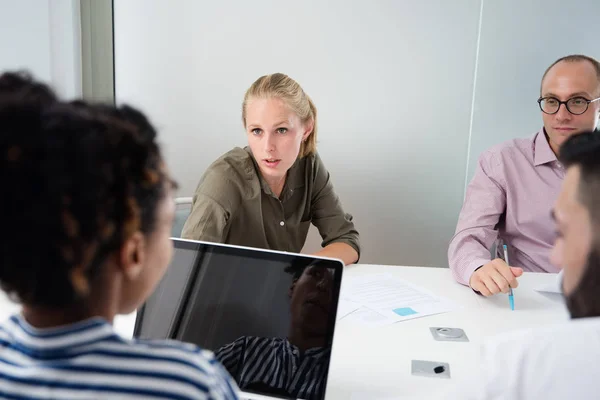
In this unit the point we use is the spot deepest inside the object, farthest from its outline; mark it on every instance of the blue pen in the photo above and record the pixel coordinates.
(511, 299)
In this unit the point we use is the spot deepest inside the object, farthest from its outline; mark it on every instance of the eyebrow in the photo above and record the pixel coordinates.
(578, 94)
(553, 215)
(282, 122)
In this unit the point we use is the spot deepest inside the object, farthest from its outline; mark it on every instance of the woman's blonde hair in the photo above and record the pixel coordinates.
(285, 88)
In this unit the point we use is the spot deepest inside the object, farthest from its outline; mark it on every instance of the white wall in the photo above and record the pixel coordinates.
(42, 36)
(394, 82)
(376, 73)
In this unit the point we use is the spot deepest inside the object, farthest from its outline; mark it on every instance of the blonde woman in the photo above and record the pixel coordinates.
(267, 194)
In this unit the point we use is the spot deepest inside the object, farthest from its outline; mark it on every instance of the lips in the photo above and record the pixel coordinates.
(271, 162)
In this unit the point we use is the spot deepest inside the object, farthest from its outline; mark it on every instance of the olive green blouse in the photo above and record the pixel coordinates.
(233, 204)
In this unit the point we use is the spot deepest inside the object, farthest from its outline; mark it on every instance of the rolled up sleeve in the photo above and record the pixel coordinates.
(207, 220)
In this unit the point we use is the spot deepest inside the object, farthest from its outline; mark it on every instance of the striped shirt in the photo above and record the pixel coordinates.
(88, 360)
(275, 366)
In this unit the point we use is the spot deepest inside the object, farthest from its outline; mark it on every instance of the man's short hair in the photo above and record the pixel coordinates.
(583, 150)
(575, 58)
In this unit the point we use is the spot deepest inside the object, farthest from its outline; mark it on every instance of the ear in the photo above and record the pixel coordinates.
(132, 256)
(308, 129)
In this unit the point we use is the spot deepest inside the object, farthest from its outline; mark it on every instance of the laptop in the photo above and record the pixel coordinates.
(268, 316)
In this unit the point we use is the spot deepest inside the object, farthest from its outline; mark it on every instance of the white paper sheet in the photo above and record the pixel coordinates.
(346, 307)
(394, 298)
(369, 317)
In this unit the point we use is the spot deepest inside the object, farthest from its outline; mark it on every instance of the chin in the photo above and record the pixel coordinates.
(279, 172)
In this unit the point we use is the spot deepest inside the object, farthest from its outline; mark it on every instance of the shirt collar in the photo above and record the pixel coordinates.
(542, 152)
(316, 352)
(60, 337)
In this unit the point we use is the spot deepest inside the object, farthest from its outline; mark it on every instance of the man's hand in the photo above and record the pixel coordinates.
(495, 277)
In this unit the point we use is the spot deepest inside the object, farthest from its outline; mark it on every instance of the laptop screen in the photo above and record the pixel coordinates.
(269, 317)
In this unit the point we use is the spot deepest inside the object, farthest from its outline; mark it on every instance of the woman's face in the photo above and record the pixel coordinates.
(275, 134)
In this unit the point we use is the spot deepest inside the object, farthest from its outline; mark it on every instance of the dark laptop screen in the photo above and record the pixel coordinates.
(269, 317)
(159, 317)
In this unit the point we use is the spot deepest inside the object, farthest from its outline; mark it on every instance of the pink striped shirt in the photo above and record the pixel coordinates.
(510, 197)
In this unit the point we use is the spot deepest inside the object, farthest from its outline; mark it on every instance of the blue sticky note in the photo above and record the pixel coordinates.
(405, 311)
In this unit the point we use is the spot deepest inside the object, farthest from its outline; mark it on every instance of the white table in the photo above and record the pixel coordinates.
(376, 361)
(371, 362)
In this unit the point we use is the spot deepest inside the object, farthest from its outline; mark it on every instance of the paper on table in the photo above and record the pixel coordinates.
(346, 307)
(394, 298)
(554, 287)
(369, 317)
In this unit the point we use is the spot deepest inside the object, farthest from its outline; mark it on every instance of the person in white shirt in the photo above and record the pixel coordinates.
(560, 361)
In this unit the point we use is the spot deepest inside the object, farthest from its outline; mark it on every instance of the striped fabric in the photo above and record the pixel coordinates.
(275, 366)
(88, 360)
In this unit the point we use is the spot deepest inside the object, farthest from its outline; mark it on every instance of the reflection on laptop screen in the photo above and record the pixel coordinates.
(269, 317)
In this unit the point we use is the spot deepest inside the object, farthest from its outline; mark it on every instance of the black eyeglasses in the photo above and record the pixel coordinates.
(575, 105)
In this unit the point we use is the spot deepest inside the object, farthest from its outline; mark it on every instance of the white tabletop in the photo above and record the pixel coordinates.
(376, 361)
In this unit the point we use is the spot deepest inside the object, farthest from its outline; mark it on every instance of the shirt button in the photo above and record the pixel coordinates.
(282, 223)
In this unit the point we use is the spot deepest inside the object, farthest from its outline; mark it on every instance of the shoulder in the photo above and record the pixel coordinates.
(525, 361)
(572, 344)
(314, 160)
(235, 165)
(508, 151)
(241, 345)
(172, 350)
(257, 341)
(558, 334)
(496, 159)
(181, 359)
(251, 341)
(6, 337)
(230, 178)
(313, 165)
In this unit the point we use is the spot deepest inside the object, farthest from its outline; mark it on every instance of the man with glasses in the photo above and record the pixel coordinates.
(515, 184)
(557, 361)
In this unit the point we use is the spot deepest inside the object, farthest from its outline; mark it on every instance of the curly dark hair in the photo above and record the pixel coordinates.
(21, 86)
(79, 179)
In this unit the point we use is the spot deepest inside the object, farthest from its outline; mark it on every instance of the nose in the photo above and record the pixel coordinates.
(269, 142)
(563, 114)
